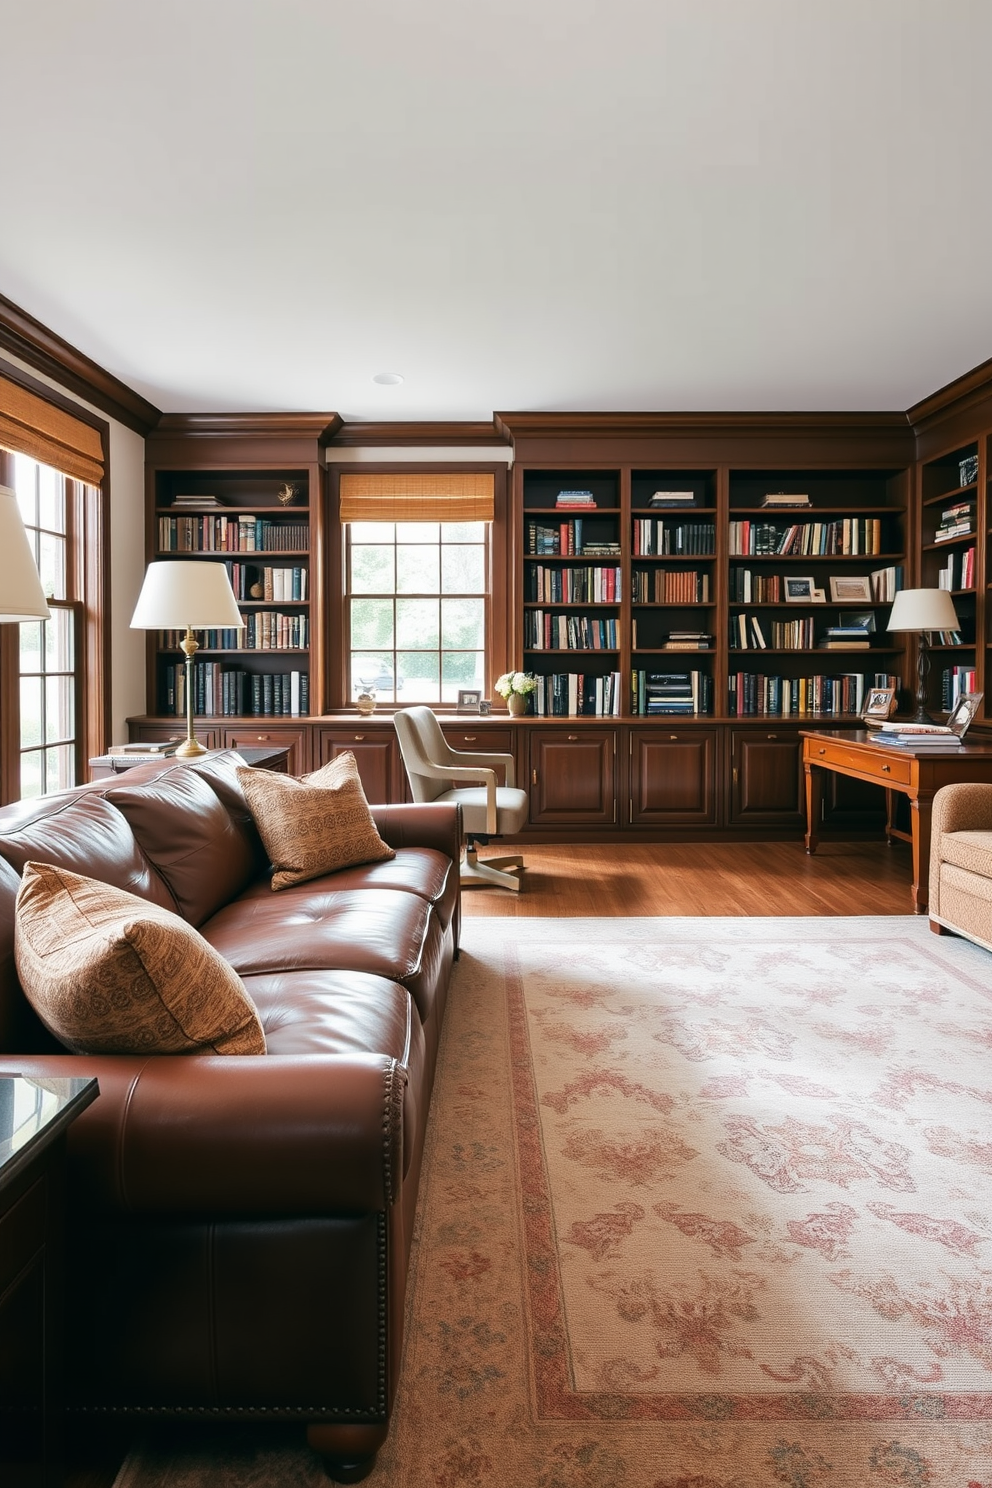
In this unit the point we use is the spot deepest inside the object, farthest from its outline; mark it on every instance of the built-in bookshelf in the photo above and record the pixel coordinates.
(953, 538)
(257, 523)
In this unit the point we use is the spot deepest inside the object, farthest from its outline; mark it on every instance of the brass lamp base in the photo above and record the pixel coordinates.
(190, 748)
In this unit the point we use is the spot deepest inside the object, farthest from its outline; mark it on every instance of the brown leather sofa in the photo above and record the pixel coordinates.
(239, 1228)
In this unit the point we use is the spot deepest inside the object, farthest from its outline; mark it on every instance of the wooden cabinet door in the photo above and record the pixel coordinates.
(161, 733)
(282, 736)
(573, 776)
(376, 756)
(673, 775)
(766, 777)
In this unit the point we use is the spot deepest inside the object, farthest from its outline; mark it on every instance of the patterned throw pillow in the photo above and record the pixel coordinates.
(109, 973)
(313, 824)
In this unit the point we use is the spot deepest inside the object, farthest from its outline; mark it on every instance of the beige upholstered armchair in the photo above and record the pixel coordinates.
(961, 862)
(488, 809)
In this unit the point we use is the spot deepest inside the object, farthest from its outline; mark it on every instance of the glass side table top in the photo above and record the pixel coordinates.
(33, 1113)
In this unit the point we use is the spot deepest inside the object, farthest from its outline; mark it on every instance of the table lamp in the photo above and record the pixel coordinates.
(21, 594)
(178, 595)
(923, 611)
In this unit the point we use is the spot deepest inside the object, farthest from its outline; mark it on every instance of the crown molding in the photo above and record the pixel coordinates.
(410, 435)
(622, 425)
(321, 427)
(964, 393)
(31, 342)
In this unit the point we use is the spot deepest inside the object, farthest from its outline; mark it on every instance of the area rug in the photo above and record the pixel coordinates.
(707, 1204)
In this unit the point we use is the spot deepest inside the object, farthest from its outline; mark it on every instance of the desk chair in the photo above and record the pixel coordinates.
(488, 810)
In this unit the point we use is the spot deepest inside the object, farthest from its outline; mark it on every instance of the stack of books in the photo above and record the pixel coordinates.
(673, 498)
(601, 550)
(956, 521)
(673, 692)
(917, 735)
(195, 503)
(688, 640)
(846, 638)
(575, 501)
(146, 750)
(785, 498)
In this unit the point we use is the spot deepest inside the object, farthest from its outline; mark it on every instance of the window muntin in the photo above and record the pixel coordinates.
(418, 598)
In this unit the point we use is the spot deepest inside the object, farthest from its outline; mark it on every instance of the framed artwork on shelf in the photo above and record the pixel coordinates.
(799, 591)
(879, 705)
(469, 701)
(850, 587)
(964, 710)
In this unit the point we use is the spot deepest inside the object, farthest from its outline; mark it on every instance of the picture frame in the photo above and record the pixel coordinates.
(961, 715)
(845, 588)
(866, 618)
(880, 704)
(485, 707)
(798, 590)
(469, 700)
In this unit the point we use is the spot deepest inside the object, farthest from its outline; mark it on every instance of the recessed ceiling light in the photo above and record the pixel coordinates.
(387, 379)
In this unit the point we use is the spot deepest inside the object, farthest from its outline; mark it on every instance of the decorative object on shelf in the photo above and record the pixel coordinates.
(21, 594)
(365, 702)
(186, 595)
(799, 591)
(516, 687)
(960, 718)
(287, 493)
(922, 611)
(847, 587)
(880, 705)
(469, 700)
(968, 470)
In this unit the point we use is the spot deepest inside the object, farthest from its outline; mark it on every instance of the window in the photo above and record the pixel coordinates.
(418, 604)
(48, 700)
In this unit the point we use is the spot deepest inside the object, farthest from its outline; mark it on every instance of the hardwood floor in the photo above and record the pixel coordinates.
(724, 878)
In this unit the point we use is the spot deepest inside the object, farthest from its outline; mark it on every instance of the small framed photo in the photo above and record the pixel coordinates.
(799, 591)
(485, 706)
(879, 705)
(865, 618)
(468, 702)
(850, 587)
(960, 718)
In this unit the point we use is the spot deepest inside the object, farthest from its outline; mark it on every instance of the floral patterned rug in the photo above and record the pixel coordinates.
(707, 1204)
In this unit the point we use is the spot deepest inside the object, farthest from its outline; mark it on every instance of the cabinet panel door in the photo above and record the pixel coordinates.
(572, 776)
(296, 740)
(375, 755)
(673, 775)
(161, 733)
(766, 785)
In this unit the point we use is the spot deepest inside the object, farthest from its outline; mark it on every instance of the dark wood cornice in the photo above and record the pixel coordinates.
(622, 425)
(240, 438)
(408, 435)
(28, 340)
(962, 396)
(318, 426)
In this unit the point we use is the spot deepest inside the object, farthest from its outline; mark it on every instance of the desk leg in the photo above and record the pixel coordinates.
(814, 805)
(921, 817)
(890, 815)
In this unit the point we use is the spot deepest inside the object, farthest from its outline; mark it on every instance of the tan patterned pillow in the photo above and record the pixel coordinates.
(313, 824)
(109, 973)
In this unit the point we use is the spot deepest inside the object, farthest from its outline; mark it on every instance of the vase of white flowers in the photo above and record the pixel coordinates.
(516, 687)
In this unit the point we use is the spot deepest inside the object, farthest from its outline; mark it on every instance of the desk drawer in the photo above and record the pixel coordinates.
(897, 771)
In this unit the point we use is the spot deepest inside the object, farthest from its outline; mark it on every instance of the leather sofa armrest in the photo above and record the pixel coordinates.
(226, 1135)
(421, 825)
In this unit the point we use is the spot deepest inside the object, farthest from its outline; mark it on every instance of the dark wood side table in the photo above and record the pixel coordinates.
(918, 775)
(34, 1117)
(271, 757)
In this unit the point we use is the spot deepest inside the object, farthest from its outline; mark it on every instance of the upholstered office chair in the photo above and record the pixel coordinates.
(488, 810)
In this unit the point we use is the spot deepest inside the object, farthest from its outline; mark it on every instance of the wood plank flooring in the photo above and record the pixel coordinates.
(723, 878)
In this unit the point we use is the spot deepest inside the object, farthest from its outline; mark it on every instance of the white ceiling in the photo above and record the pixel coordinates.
(531, 205)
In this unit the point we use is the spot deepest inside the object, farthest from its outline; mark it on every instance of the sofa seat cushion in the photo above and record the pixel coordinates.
(315, 824)
(416, 870)
(969, 850)
(108, 973)
(333, 1012)
(314, 928)
(966, 903)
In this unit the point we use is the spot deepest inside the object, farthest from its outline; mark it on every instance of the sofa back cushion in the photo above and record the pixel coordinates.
(109, 973)
(187, 832)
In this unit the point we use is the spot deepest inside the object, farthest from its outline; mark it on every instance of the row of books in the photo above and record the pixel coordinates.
(264, 630)
(568, 540)
(670, 586)
(575, 695)
(955, 683)
(845, 535)
(547, 632)
(758, 695)
(675, 693)
(656, 537)
(275, 585)
(956, 521)
(220, 691)
(243, 534)
(958, 572)
(745, 587)
(593, 585)
(749, 633)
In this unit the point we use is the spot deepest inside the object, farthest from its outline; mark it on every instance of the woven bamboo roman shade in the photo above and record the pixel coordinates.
(30, 425)
(443, 496)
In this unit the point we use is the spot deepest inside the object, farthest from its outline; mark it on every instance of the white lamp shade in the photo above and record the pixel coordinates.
(21, 594)
(923, 609)
(177, 595)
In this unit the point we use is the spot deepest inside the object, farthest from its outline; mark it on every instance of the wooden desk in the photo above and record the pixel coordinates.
(272, 757)
(918, 775)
